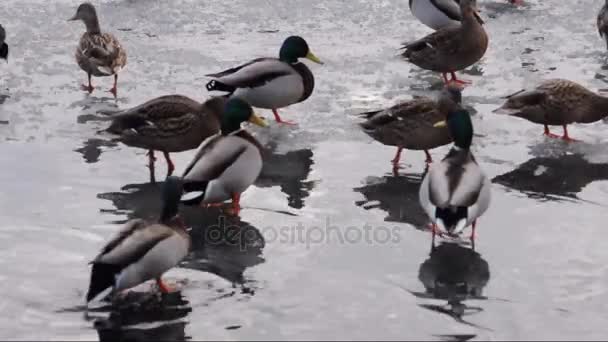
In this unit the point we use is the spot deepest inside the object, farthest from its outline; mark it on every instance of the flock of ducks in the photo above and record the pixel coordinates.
(454, 192)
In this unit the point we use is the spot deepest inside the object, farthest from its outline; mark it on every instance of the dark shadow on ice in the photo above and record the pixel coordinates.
(221, 244)
(92, 149)
(397, 195)
(553, 178)
(144, 317)
(455, 274)
(288, 171)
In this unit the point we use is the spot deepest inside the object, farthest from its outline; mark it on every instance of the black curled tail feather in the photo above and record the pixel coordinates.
(103, 276)
(195, 186)
(219, 86)
(451, 215)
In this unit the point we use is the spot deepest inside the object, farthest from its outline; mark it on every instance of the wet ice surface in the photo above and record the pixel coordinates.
(539, 271)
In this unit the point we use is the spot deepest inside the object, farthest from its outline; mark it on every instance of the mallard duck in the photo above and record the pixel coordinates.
(98, 54)
(453, 47)
(3, 45)
(172, 123)
(143, 251)
(602, 22)
(455, 192)
(437, 14)
(271, 83)
(409, 124)
(227, 163)
(556, 102)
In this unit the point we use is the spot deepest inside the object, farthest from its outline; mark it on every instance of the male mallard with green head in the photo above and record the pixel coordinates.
(171, 123)
(451, 48)
(143, 251)
(3, 45)
(409, 124)
(98, 54)
(455, 192)
(556, 102)
(271, 83)
(226, 164)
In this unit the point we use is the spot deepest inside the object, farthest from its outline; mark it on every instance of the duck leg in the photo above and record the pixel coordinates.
(236, 204)
(279, 120)
(113, 89)
(457, 81)
(151, 160)
(397, 158)
(429, 159)
(566, 137)
(433, 233)
(164, 288)
(170, 166)
(88, 88)
(549, 134)
(473, 234)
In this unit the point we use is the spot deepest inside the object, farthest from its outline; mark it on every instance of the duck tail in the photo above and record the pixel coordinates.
(194, 192)
(4, 51)
(102, 277)
(452, 218)
(219, 86)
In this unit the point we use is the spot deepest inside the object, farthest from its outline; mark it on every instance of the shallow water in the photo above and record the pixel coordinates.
(329, 244)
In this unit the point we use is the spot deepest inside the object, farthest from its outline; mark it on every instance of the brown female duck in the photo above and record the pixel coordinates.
(98, 53)
(556, 102)
(452, 48)
(171, 123)
(409, 124)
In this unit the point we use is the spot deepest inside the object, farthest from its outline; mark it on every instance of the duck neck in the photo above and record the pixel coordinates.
(92, 25)
(230, 128)
(599, 108)
(469, 18)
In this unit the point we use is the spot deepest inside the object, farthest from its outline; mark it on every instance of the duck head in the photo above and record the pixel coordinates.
(295, 47)
(3, 46)
(469, 8)
(87, 13)
(171, 192)
(460, 126)
(235, 113)
(450, 98)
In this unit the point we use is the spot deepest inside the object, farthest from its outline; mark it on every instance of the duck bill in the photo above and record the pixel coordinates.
(74, 18)
(256, 120)
(440, 124)
(478, 17)
(313, 58)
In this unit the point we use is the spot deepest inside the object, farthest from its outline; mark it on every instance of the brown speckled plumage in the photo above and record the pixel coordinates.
(100, 54)
(452, 48)
(171, 123)
(557, 102)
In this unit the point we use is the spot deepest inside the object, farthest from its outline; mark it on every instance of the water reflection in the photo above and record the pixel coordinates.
(143, 317)
(455, 274)
(92, 149)
(222, 245)
(397, 195)
(289, 171)
(553, 178)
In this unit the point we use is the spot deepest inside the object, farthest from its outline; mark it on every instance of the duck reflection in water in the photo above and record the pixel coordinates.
(553, 178)
(397, 195)
(289, 171)
(142, 317)
(223, 245)
(454, 273)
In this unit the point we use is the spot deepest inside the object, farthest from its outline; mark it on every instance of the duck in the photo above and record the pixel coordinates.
(227, 163)
(141, 250)
(602, 22)
(453, 47)
(169, 123)
(3, 45)
(455, 192)
(438, 14)
(556, 102)
(98, 53)
(409, 124)
(271, 83)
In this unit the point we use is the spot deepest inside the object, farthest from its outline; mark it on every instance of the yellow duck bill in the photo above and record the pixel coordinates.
(256, 120)
(313, 58)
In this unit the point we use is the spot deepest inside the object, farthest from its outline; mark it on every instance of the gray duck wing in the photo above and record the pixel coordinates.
(253, 74)
(450, 8)
(134, 244)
